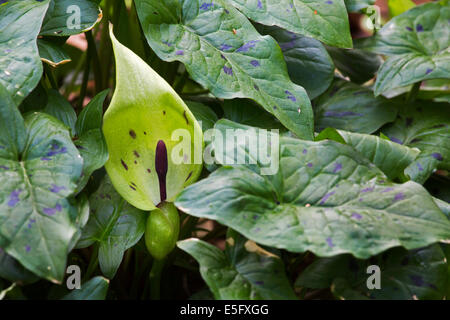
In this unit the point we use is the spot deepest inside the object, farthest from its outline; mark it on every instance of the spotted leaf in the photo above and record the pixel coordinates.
(405, 275)
(417, 43)
(224, 53)
(325, 20)
(426, 126)
(350, 107)
(39, 170)
(325, 198)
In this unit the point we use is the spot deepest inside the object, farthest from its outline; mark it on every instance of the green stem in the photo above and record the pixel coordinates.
(77, 71)
(155, 278)
(92, 51)
(84, 84)
(411, 97)
(93, 262)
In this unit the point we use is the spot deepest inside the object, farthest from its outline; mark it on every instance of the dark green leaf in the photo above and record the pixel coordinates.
(52, 52)
(66, 17)
(326, 21)
(12, 270)
(351, 107)
(243, 271)
(358, 65)
(91, 116)
(326, 198)
(94, 289)
(417, 274)
(61, 109)
(224, 53)
(247, 112)
(93, 150)
(114, 224)
(426, 126)
(20, 65)
(308, 62)
(392, 158)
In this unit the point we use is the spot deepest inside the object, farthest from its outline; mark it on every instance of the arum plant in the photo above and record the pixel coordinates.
(140, 128)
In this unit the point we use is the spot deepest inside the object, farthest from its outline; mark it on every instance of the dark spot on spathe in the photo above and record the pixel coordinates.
(185, 117)
(124, 164)
(189, 175)
(136, 154)
(132, 134)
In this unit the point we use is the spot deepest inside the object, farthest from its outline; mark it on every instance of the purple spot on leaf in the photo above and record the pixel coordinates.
(225, 47)
(259, 283)
(341, 114)
(179, 53)
(290, 96)
(409, 28)
(309, 165)
(394, 139)
(330, 242)
(337, 167)
(399, 196)
(437, 156)
(356, 216)
(56, 149)
(325, 197)
(227, 70)
(419, 28)
(259, 4)
(247, 46)
(14, 198)
(30, 224)
(428, 71)
(255, 63)
(287, 45)
(52, 211)
(387, 190)
(305, 151)
(206, 6)
(329, 2)
(368, 189)
(4, 167)
(55, 189)
(27, 248)
(419, 166)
